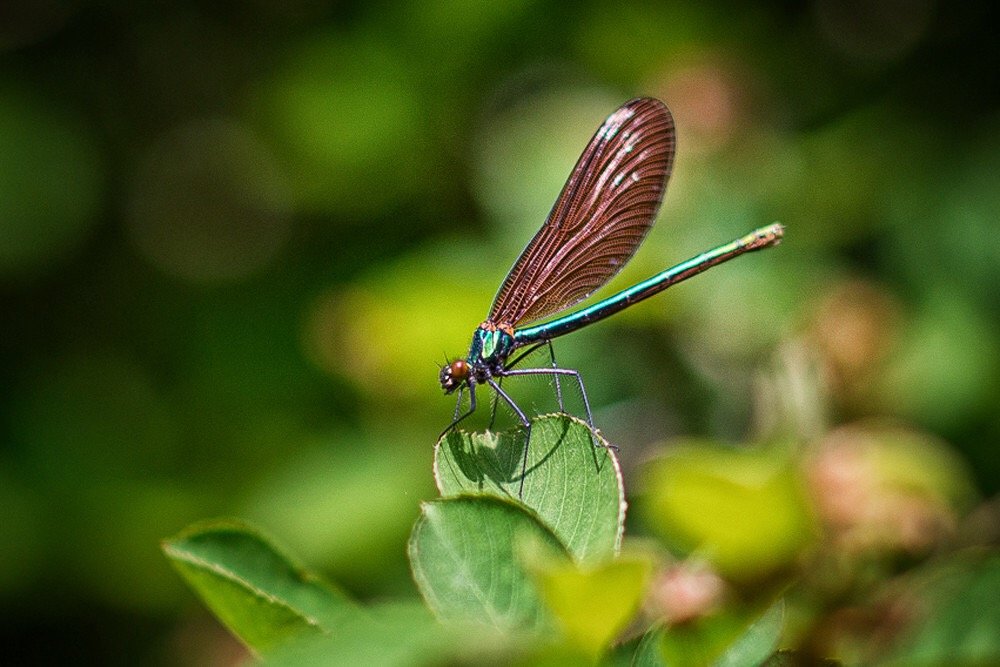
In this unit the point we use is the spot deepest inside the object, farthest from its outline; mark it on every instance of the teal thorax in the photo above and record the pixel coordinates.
(491, 345)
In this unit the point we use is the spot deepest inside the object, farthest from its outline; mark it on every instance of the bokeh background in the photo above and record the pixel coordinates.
(237, 241)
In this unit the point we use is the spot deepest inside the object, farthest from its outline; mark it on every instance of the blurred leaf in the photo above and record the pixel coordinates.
(656, 31)
(840, 204)
(347, 117)
(251, 587)
(946, 365)
(647, 651)
(51, 180)
(93, 416)
(208, 203)
(21, 541)
(390, 634)
(307, 492)
(744, 510)
(120, 568)
(894, 462)
(463, 552)
(729, 639)
(758, 642)
(953, 205)
(575, 488)
(789, 658)
(958, 615)
(354, 331)
(454, 39)
(592, 604)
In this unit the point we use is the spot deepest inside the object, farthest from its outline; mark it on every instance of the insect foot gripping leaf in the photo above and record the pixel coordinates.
(482, 554)
(574, 488)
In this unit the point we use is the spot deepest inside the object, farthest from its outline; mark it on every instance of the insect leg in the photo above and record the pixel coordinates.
(493, 408)
(552, 358)
(519, 358)
(579, 381)
(458, 406)
(472, 408)
(527, 431)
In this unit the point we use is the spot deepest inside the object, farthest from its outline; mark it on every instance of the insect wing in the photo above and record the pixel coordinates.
(601, 216)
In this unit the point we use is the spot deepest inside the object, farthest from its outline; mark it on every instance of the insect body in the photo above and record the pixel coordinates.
(598, 222)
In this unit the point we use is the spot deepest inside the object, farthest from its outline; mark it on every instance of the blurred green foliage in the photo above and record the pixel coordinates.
(236, 242)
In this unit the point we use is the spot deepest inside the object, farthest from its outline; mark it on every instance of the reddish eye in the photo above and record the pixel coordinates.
(459, 369)
(454, 375)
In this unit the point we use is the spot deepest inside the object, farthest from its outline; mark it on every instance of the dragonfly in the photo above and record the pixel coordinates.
(602, 215)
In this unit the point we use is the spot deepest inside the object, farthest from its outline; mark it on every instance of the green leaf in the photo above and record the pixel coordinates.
(758, 642)
(956, 614)
(592, 604)
(648, 653)
(742, 509)
(730, 638)
(250, 586)
(793, 658)
(390, 634)
(575, 488)
(463, 552)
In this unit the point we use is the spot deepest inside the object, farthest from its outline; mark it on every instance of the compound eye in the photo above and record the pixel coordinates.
(459, 369)
(453, 375)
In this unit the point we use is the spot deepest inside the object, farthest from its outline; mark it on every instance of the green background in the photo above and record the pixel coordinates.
(236, 243)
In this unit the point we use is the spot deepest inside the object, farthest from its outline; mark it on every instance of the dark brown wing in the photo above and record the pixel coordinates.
(600, 218)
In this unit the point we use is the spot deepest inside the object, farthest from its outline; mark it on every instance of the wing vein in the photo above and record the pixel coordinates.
(603, 213)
